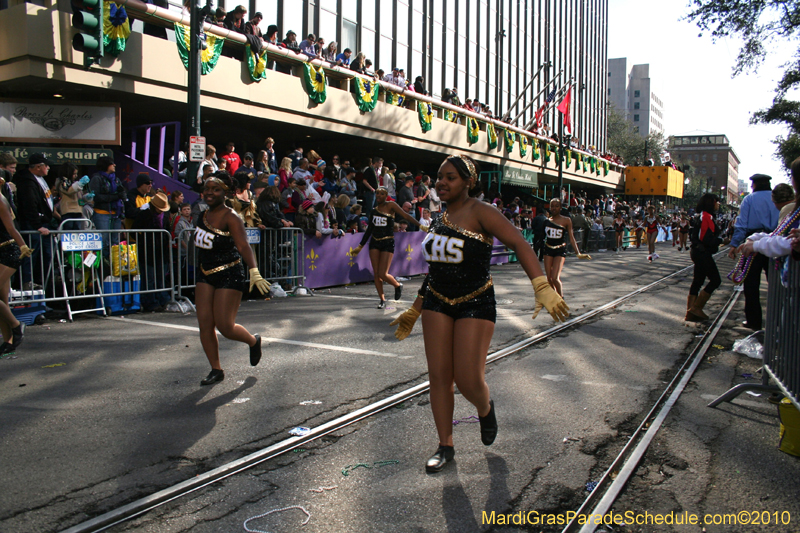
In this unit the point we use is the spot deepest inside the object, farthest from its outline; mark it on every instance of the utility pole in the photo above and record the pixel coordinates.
(193, 90)
(560, 156)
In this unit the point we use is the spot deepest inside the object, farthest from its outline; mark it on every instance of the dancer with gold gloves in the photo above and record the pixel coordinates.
(458, 310)
(12, 251)
(380, 234)
(406, 320)
(222, 252)
(556, 228)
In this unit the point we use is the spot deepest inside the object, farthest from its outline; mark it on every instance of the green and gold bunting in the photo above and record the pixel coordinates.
(425, 111)
(593, 163)
(583, 163)
(366, 94)
(394, 99)
(450, 116)
(523, 145)
(558, 155)
(578, 159)
(491, 134)
(597, 166)
(315, 82)
(208, 57)
(605, 168)
(472, 130)
(568, 158)
(546, 152)
(510, 138)
(116, 28)
(536, 153)
(256, 64)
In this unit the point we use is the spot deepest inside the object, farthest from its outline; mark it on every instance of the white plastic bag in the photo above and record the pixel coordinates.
(750, 346)
(276, 291)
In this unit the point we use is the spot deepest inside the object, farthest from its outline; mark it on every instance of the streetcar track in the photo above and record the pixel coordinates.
(148, 503)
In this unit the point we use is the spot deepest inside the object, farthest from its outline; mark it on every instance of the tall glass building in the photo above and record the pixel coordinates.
(488, 49)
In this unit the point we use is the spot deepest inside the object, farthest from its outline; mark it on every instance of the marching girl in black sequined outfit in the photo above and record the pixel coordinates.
(556, 229)
(381, 245)
(458, 310)
(12, 251)
(619, 230)
(222, 252)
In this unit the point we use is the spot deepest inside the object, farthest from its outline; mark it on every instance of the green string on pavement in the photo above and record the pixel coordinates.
(377, 464)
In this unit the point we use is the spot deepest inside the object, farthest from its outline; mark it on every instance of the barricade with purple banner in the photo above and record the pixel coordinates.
(329, 261)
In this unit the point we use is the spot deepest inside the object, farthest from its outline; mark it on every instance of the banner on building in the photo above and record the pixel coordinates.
(67, 123)
(521, 177)
(58, 155)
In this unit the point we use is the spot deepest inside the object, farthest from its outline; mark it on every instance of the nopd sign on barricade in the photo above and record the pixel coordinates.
(253, 235)
(78, 242)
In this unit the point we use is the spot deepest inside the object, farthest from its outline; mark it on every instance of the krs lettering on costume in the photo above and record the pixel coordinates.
(553, 233)
(379, 220)
(442, 249)
(203, 239)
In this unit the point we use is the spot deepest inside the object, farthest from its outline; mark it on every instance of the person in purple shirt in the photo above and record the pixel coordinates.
(756, 214)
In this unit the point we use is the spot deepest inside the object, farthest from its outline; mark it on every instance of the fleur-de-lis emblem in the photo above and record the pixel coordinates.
(313, 256)
(409, 250)
(351, 256)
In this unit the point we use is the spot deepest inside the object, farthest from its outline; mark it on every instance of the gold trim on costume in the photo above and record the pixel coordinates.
(556, 247)
(479, 236)
(382, 238)
(220, 268)
(6, 243)
(212, 229)
(460, 299)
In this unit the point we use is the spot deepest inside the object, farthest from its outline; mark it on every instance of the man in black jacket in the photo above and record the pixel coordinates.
(109, 201)
(35, 202)
(538, 231)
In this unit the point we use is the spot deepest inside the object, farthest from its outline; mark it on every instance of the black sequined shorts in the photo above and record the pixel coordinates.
(561, 251)
(383, 245)
(482, 306)
(230, 278)
(9, 256)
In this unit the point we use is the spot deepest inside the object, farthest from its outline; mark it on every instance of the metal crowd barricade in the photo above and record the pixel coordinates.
(278, 252)
(781, 339)
(108, 271)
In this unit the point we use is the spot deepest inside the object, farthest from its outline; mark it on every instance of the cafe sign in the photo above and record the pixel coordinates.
(58, 155)
(520, 177)
(61, 122)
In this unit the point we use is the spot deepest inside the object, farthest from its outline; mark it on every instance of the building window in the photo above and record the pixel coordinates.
(636, 118)
(714, 157)
(609, 92)
(713, 170)
(704, 157)
(636, 94)
(636, 105)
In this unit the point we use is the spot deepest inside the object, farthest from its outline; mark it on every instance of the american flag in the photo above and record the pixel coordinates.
(550, 97)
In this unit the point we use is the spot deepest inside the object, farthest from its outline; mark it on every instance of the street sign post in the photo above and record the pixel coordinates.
(197, 148)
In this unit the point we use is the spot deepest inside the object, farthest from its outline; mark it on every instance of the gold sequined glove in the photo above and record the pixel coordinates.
(24, 251)
(426, 229)
(549, 298)
(405, 323)
(257, 281)
(356, 251)
(585, 256)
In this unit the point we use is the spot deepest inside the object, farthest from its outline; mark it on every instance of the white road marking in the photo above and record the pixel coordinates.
(331, 347)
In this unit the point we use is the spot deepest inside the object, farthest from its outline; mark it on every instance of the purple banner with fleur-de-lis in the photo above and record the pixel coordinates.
(329, 261)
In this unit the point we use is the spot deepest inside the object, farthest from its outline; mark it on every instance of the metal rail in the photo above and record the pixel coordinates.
(622, 468)
(143, 505)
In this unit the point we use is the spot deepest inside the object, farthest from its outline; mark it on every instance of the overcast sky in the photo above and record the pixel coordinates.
(692, 76)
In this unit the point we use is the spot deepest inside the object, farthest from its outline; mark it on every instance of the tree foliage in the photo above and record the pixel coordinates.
(623, 139)
(760, 23)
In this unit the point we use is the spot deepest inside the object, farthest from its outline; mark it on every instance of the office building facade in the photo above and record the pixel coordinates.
(712, 157)
(632, 93)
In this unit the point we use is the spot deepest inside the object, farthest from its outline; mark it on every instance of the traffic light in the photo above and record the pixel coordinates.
(87, 16)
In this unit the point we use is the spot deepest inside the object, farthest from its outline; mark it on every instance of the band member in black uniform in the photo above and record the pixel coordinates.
(683, 229)
(458, 311)
(222, 252)
(619, 230)
(12, 251)
(381, 247)
(555, 245)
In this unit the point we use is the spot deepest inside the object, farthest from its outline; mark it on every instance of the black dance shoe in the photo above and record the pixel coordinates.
(215, 376)
(398, 291)
(382, 305)
(18, 333)
(488, 425)
(255, 351)
(6, 348)
(442, 456)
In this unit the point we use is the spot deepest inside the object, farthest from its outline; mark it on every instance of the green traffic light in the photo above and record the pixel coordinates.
(85, 21)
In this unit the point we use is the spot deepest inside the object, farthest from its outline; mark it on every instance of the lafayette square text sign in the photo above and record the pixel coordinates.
(58, 155)
(69, 123)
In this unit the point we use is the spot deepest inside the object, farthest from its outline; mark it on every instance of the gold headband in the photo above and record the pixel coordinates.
(471, 167)
(218, 182)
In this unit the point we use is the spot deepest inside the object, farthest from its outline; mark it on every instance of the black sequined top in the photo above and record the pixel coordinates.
(381, 226)
(214, 247)
(458, 259)
(553, 234)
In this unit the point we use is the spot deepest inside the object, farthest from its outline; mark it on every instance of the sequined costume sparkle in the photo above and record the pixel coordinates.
(381, 230)
(459, 282)
(220, 263)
